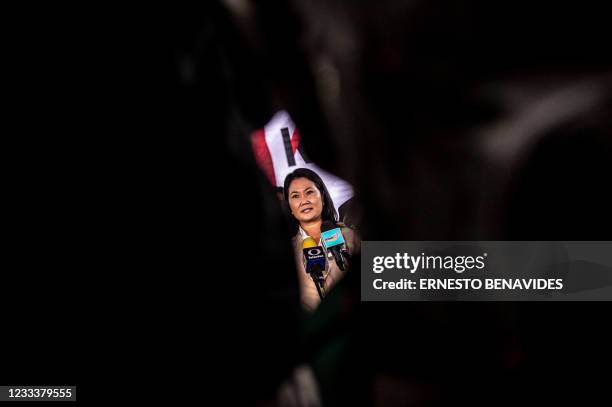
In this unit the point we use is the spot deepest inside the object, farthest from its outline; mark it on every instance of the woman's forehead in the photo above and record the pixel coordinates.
(300, 184)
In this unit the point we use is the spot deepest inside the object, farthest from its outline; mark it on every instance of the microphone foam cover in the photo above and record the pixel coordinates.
(308, 242)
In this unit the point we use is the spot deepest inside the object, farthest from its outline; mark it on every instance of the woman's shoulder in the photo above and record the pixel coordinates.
(351, 237)
(351, 229)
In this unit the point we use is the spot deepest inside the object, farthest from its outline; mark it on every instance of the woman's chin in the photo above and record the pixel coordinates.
(308, 218)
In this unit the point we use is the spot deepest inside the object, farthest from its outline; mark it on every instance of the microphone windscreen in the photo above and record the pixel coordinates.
(308, 242)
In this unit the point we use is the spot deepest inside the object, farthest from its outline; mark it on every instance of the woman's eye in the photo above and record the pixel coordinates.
(309, 192)
(294, 196)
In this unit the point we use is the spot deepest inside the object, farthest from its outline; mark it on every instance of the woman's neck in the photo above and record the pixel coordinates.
(313, 229)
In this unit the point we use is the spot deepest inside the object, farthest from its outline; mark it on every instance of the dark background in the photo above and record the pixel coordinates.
(130, 262)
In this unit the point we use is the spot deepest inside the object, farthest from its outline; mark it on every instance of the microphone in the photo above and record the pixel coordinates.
(314, 263)
(308, 242)
(333, 241)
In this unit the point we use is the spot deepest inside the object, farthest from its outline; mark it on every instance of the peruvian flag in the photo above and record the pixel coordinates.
(278, 152)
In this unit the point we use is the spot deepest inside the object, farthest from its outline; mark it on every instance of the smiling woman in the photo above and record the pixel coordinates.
(309, 204)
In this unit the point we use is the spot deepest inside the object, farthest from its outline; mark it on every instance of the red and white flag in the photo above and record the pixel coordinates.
(278, 152)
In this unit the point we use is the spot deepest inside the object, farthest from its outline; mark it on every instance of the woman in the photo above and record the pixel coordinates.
(309, 205)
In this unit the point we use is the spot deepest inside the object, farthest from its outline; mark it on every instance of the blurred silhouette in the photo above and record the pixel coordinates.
(453, 120)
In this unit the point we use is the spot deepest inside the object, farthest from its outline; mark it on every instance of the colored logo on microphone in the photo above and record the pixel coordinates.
(332, 238)
(315, 252)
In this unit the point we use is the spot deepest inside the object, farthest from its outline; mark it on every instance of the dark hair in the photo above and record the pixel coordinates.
(328, 212)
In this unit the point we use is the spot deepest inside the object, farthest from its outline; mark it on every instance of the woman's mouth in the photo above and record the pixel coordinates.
(306, 210)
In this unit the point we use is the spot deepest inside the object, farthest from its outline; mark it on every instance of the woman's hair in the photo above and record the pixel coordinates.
(328, 212)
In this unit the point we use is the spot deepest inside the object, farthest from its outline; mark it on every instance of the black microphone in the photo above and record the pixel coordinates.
(333, 241)
(314, 263)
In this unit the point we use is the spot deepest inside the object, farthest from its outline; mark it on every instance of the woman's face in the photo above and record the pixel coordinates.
(305, 200)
